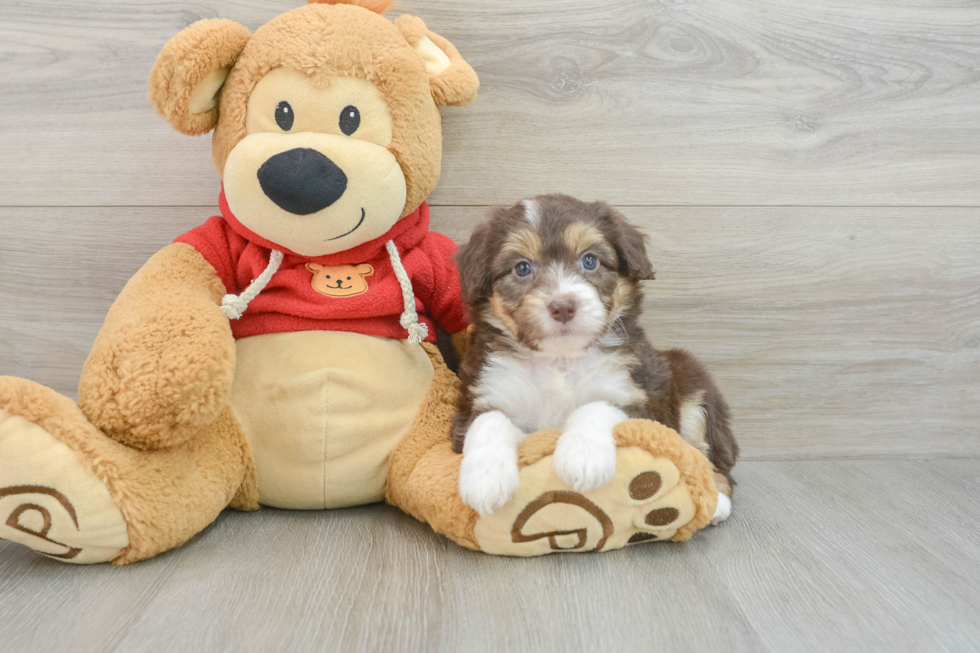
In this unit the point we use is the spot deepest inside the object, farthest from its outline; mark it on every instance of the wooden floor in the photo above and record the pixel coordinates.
(809, 174)
(818, 556)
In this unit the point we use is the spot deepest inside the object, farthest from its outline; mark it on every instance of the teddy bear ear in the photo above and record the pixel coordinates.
(453, 81)
(188, 75)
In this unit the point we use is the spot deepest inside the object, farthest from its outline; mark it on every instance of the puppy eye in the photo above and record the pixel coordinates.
(350, 119)
(285, 116)
(522, 269)
(589, 262)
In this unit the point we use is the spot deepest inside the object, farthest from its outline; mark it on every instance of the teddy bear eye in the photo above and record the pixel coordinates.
(350, 119)
(284, 116)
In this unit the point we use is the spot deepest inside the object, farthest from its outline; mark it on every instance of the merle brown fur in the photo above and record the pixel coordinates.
(667, 376)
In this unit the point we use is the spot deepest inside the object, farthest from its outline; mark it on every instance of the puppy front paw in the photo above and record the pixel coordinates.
(487, 482)
(585, 460)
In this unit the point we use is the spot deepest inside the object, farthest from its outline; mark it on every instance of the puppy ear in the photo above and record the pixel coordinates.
(188, 75)
(631, 248)
(474, 262)
(452, 80)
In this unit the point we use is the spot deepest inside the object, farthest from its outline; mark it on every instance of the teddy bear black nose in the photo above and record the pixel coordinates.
(302, 181)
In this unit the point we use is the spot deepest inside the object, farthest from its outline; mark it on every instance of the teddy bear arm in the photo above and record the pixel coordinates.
(162, 366)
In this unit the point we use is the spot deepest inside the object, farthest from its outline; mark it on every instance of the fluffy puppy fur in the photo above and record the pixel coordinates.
(555, 286)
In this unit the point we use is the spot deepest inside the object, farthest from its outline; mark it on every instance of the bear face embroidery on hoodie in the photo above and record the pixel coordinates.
(340, 280)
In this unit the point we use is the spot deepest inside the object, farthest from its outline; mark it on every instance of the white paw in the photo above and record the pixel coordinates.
(487, 481)
(723, 510)
(585, 460)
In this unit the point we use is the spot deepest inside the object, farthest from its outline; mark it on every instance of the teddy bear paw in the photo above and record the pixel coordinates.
(50, 501)
(646, 500)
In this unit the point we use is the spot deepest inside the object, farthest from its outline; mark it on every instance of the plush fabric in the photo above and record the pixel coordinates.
(541, 519)
(455, 85)
(323, 400)
(377, 6)
(660, 441)
(189, 59)
(322, 410)
(424, 475)
(166, 496)
(161, 367)
(345, 40)
(85, 528)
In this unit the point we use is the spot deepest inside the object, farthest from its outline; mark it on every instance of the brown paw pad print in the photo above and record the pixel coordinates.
(34, 520)
(644, 487)
(560, 539)
(646, 501)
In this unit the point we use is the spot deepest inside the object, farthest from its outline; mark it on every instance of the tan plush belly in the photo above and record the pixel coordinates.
(322, 410)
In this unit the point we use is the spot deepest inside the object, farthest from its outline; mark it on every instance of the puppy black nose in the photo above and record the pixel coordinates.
(302, 181)
(562, 310)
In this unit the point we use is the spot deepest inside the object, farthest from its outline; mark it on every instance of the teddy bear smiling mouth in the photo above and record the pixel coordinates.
(359, 223)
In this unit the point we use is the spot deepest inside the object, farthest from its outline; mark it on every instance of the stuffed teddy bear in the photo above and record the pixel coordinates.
(282, 353)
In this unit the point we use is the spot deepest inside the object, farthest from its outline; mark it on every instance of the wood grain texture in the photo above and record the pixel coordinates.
(835, 333)
(832, 332)
(818, 556)
(725, 102)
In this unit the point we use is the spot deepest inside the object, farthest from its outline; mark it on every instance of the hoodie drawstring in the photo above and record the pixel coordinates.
(417, 332)
(233, 306)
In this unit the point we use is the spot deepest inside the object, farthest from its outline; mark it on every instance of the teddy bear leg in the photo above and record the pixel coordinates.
(423, 472)
(72, 493)
(664, 489)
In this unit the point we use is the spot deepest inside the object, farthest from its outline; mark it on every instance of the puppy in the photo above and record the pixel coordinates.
(555, 289)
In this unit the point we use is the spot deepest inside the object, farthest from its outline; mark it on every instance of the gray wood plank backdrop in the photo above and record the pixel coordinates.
(808, 171)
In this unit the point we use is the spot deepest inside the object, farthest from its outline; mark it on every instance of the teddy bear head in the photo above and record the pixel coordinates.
(326, 122)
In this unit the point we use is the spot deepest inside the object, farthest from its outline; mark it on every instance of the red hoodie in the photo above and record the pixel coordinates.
(290, 302)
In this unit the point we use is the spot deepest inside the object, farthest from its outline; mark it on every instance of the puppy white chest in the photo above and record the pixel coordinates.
(540, 392)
